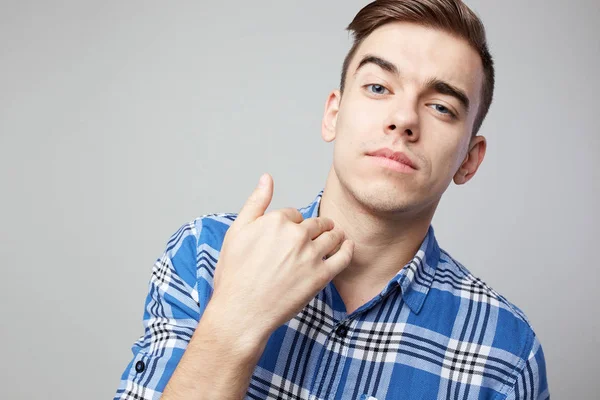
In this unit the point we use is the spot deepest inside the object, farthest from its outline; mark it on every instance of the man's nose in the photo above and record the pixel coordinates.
(404, 119)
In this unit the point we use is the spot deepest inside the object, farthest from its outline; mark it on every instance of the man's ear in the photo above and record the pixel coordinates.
(332, 107)
(472, 160)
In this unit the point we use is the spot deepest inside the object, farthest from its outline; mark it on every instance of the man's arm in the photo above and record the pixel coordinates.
(171, 313)
(269, 268)
(208, 358)
(219, 361)
(531, 383)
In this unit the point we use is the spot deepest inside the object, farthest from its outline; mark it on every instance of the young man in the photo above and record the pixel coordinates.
(351, 297)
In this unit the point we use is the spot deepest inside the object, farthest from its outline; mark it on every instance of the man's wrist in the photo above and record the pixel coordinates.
(233, 332)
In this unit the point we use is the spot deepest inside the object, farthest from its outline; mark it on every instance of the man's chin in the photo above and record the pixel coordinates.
(387, 201)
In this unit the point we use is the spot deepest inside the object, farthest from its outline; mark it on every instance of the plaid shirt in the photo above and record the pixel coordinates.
(434, 332)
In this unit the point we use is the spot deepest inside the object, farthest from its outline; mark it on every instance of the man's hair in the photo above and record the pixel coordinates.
(451, 16)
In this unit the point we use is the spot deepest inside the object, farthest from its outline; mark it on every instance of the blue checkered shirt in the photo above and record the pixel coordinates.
(434, 332)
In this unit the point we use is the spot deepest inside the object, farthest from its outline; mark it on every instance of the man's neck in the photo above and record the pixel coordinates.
(382, 246)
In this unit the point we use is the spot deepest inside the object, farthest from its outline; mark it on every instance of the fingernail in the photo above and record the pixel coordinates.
(263, 181)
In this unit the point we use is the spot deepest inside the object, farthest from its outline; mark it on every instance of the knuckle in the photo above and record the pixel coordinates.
(334, 236)
(323, 274)
(311, 253)
(297, 214)
(318, 224)
(301, 233)
(321, 224)
(277, 216)
(327, 222)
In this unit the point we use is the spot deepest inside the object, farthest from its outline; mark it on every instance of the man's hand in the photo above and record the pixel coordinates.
(271, 265)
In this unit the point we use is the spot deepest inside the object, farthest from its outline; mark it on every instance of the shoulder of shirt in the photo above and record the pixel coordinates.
(211, 228)
(447, 262)
(194, 248)
(207, 230)
(215, 220)
(514, 327)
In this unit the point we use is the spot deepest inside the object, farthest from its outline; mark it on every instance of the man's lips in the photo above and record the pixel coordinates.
(393, 155)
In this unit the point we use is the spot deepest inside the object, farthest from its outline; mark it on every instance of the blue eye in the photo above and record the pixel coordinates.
(378, 89)
(443, 110)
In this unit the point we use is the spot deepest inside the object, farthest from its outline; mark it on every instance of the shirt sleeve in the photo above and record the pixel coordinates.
(531, 383)
(171, 313)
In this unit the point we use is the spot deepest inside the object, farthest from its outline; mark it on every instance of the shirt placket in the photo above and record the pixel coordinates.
(331, 364)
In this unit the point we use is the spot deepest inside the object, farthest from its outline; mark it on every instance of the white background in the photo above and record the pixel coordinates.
(120, 121)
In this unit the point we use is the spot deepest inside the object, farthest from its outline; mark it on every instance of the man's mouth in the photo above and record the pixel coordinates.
(396, 156)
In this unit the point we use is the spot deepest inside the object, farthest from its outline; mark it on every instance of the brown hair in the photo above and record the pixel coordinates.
(451, 16)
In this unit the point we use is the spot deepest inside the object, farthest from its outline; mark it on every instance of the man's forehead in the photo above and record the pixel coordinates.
(422, 53)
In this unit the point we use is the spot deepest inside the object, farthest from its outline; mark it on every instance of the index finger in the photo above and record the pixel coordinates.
(317, 225)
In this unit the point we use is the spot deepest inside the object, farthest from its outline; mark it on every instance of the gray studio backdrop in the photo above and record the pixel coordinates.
(120, 121)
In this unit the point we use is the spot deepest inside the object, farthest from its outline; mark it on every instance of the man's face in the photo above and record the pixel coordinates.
(406, 96)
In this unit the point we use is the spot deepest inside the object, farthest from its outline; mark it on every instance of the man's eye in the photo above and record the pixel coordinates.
(377, 89)
(443, 110)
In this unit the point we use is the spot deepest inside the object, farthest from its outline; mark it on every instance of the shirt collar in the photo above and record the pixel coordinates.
(415, 278)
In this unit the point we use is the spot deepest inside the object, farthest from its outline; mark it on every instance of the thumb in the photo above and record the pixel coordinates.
(256, 205)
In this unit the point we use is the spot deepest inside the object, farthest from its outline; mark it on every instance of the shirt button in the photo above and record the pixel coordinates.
(342, 331)
(140, 366)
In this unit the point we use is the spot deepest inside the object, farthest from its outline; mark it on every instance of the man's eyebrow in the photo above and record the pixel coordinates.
(442, 87)
(383, 64)
(434, 84)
